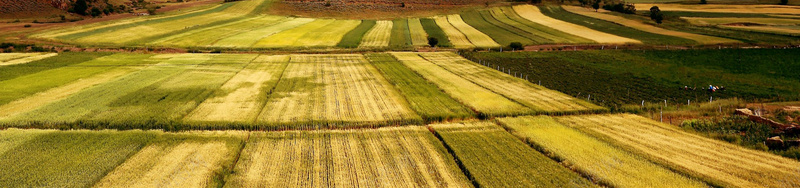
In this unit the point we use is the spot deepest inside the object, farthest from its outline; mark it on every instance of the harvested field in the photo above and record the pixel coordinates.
(759, 9)
(346, 158)
(714, 161)
(476, 97)
(454, 36)
(603, 162)
(242, 97)
(423, 97)
(354, 37)
(536, 31)
(533, 96)
(702, 39)
(67, 158)
(211, 35)
(321, 91)
(378, 36)
(418, 35)
(496, 158)
(7, 59)
(191, 159)
(499, 34)
(475, 37)
(533, 14)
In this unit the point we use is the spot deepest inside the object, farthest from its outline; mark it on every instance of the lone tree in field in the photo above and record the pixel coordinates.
(656, 15)
(433, 41)
(703, 2)
(516, 46)
(784, 2)
(596, 5)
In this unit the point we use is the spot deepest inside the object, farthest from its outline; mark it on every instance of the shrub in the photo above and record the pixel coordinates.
(516, 46)
(783, 2)
(27, 25)
(433, 41)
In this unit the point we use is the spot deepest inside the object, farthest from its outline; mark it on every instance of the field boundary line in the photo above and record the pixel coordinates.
(455, 157)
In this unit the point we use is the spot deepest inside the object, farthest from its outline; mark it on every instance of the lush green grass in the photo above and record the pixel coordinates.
(627, 77)
(435, 31)
(612, 28)
(26, 85)
(353, 37)
(63, 59)
(69, 158)
(401, 36)
(602, 161)
(495, 158)
(499, 34)
(424, 97)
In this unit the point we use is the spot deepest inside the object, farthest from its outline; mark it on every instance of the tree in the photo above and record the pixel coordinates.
(784, 2)
(656, 15)
(703, 2)
(516, 46)
(596, 5)
(80, 7)
(433, 41)
(96, 12)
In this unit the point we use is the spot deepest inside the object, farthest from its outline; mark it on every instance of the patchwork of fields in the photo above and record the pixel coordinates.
(244, 25)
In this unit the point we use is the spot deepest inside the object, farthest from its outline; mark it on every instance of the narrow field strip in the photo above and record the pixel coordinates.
(496, 158)
(354, 37)
(454, 36)
(378, 36)
(766, 29)
(605, 163)
(423, 97)
(401, 36)
(190, 159)
(533, 14)
(210, 35)
(318, 91)
(433, 30)
(475, 37)
(509, 16)
(534, 36)
(144, 33)
(242, 97)
(327, 36)
(533, 96)
(476, 97)
(61, 60)
(346, 158)
(702, 39)
(43, 98)
(419, 37)
(720, 163)
(499, 34)
(758, 9)
(173, 98)
(250, 38)
(720, 21)
(100, 97)
(68, 158)
(22, 59)
(287, 38)
(30, 84)
(11, 56)
(13, 138)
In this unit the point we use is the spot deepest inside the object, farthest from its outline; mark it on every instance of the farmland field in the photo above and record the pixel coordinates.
(718, 162)
(22, 58)
(760, 9)
(405, 157)
(378, 36)
(454, 36)
(486, 150)
(603, 162)
(533, 14)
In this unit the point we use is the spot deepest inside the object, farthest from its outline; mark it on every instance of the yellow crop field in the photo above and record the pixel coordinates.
(720, 163)
(703, 39)
(22, 58)
(721, 21)
(458, 39)
(210, 35)
(522, 91)
(334, 88)
(476, 37)
(243, 96)
(766, 29)
(378, 36)
(474, 96)
(603, 162)
(418, 35)
(758, 9)
(533, 14)
(250, 38)
(383, 157)
(289, 37)
(328, 36)
(177, 160)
